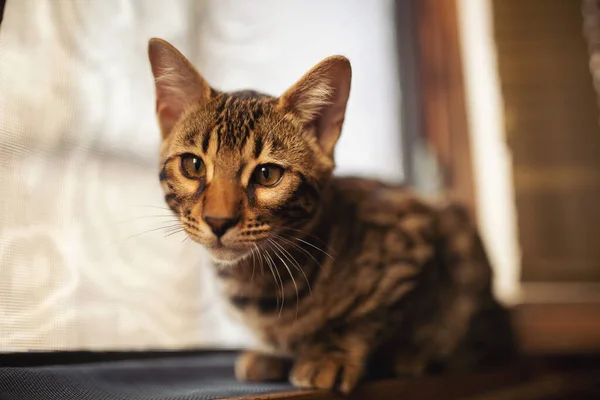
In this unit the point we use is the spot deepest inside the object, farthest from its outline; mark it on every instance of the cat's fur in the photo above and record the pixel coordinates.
(338, 277)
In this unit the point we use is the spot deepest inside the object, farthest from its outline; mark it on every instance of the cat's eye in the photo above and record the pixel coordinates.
(192, 166)
(267, 175)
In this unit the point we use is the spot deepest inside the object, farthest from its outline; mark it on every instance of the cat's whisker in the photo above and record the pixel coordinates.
(287, 254)
(156, 207)
(309, 244)
(262, 270)
(279, 295)
(253, 264)
(303, 233)
(295, 263)
(280, 282)
(175, 232)
(173, 217)
(263, 256)
(166, 228)
(296, 245)
(289, 272)
(172, 227)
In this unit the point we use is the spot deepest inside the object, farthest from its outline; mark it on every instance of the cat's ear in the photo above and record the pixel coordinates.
(318, 100)
(178, 84)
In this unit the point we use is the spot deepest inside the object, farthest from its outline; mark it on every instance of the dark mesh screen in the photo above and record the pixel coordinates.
(208, 376)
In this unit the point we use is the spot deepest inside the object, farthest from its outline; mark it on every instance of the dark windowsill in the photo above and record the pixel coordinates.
(560, 341)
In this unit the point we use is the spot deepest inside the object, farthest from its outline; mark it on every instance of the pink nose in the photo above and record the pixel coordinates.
(220, 225)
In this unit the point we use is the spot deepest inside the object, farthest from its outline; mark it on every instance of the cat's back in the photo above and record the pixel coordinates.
(397, 226)
(375, 202)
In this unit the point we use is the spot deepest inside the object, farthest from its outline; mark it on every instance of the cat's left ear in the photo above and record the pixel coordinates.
(178, 84)
(318, 100)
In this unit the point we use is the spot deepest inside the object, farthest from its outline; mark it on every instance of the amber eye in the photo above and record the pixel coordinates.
(192, 166)
(267, 175)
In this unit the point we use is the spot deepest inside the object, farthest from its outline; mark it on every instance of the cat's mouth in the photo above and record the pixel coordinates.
(221, 249)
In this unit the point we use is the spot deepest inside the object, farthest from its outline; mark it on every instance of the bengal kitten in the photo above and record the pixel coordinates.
(337, 277)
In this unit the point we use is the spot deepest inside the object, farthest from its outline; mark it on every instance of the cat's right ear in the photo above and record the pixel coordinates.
(178, 84)
(318, 100)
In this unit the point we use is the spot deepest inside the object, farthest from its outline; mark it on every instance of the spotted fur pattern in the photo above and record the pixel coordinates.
(339, 278)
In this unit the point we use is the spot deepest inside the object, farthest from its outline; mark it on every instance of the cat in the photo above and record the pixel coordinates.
(341, 279)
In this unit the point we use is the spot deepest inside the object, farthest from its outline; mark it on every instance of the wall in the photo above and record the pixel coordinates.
(89, 257)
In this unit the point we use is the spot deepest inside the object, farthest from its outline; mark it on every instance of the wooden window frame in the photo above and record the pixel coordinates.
(433, 102)
(566, 316)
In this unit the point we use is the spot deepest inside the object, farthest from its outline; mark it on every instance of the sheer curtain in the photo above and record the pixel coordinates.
(89, 256)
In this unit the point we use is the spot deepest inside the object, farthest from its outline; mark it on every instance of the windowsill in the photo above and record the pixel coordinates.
(559, 318)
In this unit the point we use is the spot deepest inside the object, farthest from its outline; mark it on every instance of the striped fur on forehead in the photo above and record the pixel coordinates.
(243, 126)
(236, 117)
(230, 117)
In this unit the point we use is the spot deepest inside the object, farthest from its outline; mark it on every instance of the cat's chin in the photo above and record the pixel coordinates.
(228, 257)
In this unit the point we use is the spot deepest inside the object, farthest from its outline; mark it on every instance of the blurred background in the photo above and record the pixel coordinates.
(490, 101)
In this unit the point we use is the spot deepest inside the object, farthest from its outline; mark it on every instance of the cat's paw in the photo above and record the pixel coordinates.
(258, 367)
(326, 370)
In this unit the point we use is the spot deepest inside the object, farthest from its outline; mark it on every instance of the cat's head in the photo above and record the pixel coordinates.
(241, 168)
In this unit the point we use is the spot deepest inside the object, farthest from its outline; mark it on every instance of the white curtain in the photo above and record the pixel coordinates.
(88, 258)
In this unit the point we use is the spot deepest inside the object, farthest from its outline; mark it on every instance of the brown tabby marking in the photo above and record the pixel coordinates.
(340, 278)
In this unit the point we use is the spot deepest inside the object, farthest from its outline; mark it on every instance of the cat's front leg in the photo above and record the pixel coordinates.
(253, 366)
(327, 365)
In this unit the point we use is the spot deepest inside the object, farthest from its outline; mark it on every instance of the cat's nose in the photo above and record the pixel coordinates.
(220, 225)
